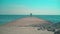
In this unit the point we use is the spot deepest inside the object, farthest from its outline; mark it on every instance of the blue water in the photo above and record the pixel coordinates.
(8, 18)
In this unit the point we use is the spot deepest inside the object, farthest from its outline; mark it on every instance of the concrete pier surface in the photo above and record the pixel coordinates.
(19, 26)
(23, 30)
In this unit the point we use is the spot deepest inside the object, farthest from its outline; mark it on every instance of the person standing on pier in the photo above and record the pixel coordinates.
(30, 14)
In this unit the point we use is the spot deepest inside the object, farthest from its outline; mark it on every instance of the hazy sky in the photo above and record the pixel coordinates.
(37, 7)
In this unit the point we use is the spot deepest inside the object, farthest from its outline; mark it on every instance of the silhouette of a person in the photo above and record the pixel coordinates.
(30, 14)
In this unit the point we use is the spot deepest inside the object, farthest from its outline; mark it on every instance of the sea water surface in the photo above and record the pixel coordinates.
(4, 19)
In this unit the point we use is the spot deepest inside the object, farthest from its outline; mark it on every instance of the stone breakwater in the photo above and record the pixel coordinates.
(28, 25)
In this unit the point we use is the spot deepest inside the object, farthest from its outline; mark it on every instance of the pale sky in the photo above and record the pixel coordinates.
(37, 7)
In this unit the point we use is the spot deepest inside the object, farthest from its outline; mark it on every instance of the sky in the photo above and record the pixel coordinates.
(36, 7)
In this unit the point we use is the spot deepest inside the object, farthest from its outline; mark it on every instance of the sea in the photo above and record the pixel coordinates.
(4, 19)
